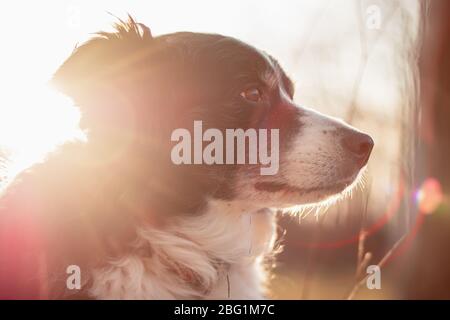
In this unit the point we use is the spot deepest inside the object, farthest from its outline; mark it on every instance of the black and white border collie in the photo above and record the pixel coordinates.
(139, 226)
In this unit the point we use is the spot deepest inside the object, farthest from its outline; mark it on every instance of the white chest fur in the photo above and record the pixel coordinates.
(218, 255)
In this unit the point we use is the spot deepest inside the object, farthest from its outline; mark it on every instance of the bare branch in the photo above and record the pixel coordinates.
(380, 264)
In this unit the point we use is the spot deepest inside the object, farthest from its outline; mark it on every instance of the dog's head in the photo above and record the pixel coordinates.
(134, 90)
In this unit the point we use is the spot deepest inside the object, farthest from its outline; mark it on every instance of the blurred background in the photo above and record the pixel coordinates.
(381, 65)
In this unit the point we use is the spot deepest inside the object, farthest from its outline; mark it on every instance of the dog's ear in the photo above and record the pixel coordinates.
(98, 64)
(101, 74)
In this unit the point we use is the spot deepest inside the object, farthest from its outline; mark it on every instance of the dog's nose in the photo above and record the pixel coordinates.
(358, 144)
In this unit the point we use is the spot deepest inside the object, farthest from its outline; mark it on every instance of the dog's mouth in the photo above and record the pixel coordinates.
(274, 187)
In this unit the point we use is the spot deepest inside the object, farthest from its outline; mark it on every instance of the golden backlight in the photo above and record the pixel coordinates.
(33, 121)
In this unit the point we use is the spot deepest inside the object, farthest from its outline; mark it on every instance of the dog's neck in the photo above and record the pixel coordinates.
(217, 254)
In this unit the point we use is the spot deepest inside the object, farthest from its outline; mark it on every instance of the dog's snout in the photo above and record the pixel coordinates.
(358, 144)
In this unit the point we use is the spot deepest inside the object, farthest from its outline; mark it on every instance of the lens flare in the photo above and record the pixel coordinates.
(429, 196)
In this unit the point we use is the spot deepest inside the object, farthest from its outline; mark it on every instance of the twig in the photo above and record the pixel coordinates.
(228, 286)
(365, 54)
(363, 258)
(308, 34)
(382, 262)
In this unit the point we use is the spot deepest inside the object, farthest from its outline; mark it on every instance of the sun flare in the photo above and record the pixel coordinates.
(33, 121)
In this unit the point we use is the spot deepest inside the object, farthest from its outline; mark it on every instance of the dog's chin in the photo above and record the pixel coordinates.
(290, 195)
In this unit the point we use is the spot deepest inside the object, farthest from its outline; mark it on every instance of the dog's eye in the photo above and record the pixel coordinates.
(252, 94)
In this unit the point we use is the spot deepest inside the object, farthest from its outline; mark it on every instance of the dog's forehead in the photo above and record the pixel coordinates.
(227, 59)
(247, 57)
(224, 51)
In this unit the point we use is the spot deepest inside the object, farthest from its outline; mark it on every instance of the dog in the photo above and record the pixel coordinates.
(132, 223)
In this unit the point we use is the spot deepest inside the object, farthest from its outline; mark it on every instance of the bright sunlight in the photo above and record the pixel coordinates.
(38, 119)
